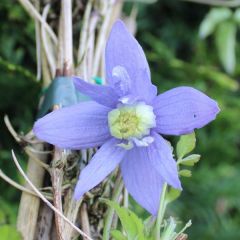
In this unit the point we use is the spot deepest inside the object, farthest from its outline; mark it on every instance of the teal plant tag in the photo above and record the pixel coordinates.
(98, 80)
(61, 92)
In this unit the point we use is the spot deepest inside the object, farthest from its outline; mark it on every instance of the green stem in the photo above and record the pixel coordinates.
(125, 198)
(189, 223)
(161, 211)
(109, 217)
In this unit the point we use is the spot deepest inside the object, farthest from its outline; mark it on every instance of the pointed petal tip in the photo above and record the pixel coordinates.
(37, 128)
(214, 110)
(175, 182)
(119, 23)
(177, 185)
(217, 108)
(77, 194)
(119, 26)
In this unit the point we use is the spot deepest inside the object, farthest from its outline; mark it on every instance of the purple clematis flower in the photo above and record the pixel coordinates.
(125, 119)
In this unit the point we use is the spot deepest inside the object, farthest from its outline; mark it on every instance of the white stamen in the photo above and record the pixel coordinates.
(143, 142)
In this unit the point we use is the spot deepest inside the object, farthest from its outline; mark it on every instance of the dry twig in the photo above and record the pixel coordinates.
(35, 15)
(40, 195)
(47, 44)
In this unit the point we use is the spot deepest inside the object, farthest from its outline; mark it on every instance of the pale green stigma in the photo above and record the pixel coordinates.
(131, 121)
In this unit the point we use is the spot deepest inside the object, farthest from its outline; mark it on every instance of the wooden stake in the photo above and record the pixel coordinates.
(29, 204)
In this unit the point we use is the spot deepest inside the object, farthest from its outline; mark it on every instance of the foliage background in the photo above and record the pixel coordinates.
(168, 31)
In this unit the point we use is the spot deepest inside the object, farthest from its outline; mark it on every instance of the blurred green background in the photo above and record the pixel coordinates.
(169, 32)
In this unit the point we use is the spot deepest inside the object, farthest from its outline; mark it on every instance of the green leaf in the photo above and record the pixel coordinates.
(236, 16)
(118, 235)
(185, 173)
(172, 194)
(149, 225)
(185, 145)
(190, 160)
(169, 232)
(131, 223)
(8, 232)
(2, 217)
(16, 69)
(7, 212)
(225, 39)
(212, 19)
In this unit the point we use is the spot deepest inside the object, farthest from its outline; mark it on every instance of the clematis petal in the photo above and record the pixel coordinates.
(82, 125)
(126, 61)
(161, 158)
(104, 95)
(146, 90)
(121, 81)
(181, 110)
(142, 180)
(103, 162)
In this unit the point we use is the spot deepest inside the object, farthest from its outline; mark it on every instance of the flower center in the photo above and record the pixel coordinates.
(131, 121)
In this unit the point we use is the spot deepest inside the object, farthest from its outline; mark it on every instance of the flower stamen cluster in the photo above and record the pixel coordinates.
(131, 121)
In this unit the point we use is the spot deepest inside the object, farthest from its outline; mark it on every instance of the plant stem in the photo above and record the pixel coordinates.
(20, 187)
(85, 220)
(31, 10)
(161, 211)
(66, 14)
(125, 198)
(108, 220)
(102, 36)
(189, 223)
(41, 196)
(222, 3)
